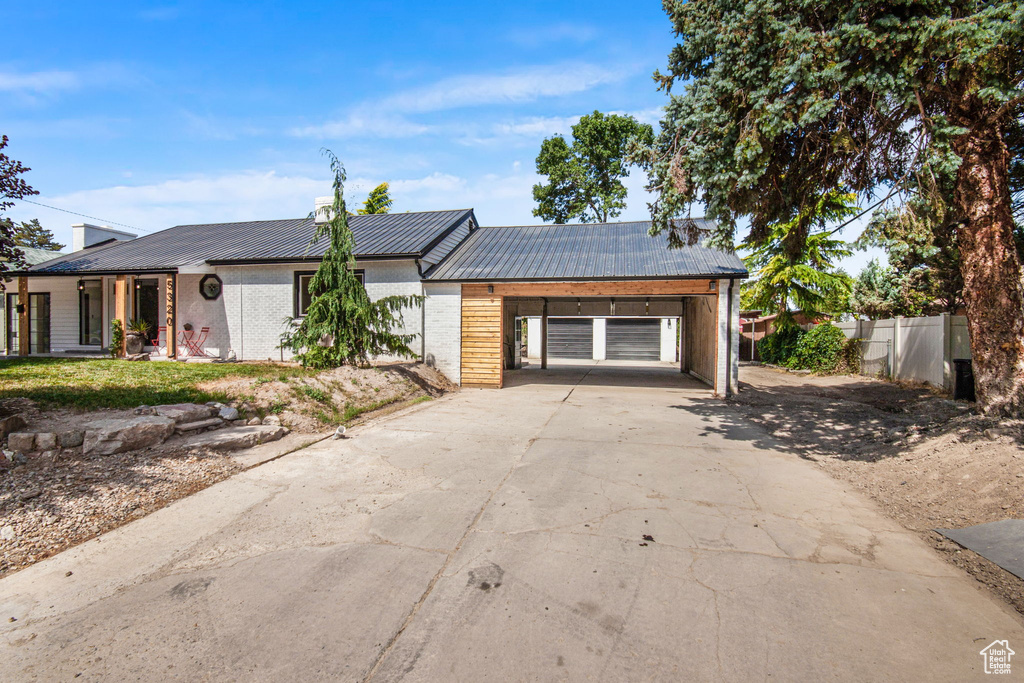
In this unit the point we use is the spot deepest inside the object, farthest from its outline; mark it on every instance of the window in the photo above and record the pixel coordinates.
(90, 313)
(302, 294)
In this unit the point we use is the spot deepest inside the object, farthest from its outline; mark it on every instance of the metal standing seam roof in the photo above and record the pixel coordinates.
(407, 235)
(580, 252)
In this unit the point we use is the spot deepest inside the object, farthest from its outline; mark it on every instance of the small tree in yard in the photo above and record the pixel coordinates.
(342, 324)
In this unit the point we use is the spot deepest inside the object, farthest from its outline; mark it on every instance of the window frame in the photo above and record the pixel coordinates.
(297, 311)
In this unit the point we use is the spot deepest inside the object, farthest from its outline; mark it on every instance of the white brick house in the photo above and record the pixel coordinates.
(227, 290)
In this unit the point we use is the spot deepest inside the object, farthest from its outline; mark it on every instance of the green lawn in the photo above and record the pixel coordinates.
(106, 383)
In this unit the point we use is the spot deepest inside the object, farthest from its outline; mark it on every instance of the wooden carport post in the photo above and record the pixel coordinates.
(23, 319)
(171, 311)
(544, 336)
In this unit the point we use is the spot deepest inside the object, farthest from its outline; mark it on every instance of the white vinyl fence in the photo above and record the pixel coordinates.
(918, 349)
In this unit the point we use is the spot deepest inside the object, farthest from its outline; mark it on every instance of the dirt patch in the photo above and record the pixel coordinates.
(332, 397)
(928, 461)
(48, 504)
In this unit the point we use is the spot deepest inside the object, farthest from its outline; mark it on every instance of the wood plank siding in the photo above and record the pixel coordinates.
(481, 337)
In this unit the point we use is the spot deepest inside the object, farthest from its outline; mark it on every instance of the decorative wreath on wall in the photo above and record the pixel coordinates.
(210, 287)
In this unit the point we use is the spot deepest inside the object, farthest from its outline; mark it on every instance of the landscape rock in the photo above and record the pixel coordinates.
(236, 438)
(273, 420)
(228, 413)
(46, 441)
(106, 437)
(11, 423)
(19, 459)
(254, 421)
(7, 533)
(185, 412)
(214, 422)
(145, 410)
(71, 438)
(22, 442)
(30, 494)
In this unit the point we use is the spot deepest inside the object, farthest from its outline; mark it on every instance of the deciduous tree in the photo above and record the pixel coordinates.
(584, 179)
(786, 99)
(12, 187)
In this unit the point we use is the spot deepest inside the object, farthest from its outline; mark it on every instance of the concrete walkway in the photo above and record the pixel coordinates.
(500, 535)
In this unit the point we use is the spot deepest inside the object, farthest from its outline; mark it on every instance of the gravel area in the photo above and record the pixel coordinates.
(47, 506)
(929, 462)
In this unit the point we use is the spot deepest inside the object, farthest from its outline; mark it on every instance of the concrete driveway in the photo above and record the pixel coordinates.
(500, 535)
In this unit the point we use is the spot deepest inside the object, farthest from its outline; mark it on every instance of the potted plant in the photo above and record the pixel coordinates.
(135, 338)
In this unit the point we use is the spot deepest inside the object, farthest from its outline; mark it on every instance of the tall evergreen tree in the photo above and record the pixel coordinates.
(786, 99)
(378, 201)
(342, 324)
(33, 235)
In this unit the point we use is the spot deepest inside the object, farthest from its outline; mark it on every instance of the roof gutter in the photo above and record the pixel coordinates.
(611, 278)
(87, 273)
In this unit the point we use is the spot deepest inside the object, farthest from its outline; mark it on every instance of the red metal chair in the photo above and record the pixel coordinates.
(195, 343)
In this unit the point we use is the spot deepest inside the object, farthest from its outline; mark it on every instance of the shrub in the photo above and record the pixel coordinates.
(825, 349)
(779, 346)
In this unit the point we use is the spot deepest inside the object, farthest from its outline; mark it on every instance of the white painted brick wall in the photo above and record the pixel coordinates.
(258, 299)
(442, 340)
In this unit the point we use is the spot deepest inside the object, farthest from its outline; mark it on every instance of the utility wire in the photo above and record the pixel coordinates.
(75, 213)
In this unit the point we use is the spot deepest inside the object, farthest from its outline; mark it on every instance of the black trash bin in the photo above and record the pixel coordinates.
(963, 387)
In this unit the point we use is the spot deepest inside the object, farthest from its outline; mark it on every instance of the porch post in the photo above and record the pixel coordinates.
(172, 315)
(121, 306)
(23, 318)
(544, 336)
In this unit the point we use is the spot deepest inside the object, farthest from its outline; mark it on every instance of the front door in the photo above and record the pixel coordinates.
(39, 323)
(147, 306)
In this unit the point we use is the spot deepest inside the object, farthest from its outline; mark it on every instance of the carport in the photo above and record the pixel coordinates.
(611, 283)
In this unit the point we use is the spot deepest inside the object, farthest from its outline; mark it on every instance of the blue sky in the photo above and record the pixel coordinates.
(152, 115)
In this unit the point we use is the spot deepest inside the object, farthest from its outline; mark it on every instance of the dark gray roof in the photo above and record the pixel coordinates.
(403, 235)
(585, 251)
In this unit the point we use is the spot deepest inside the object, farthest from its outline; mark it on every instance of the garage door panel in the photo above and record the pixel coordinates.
(570, 338)
(633, 339)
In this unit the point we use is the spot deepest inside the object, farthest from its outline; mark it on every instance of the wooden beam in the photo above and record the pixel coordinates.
(23, 316)
(171, 313)
(592, 288)
(121, 307)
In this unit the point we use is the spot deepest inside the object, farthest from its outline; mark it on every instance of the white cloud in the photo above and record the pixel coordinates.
(543, 36)
(386, 118)
(522, 86)
(39, 82)
(363, 124)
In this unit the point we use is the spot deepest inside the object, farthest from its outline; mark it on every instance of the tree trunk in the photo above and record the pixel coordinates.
(993, 292)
